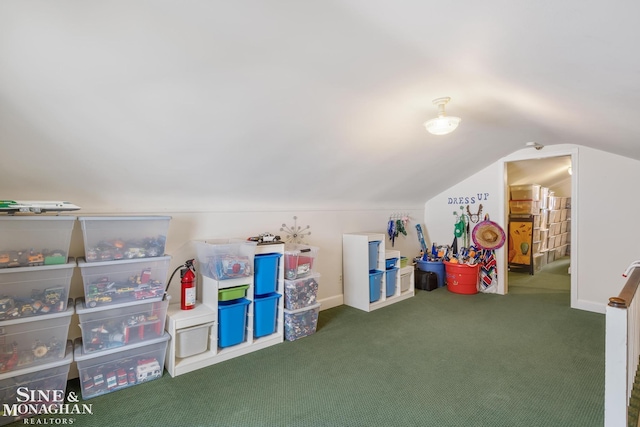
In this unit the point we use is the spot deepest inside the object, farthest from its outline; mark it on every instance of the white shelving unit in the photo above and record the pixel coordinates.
(207, 312)
(355, 272)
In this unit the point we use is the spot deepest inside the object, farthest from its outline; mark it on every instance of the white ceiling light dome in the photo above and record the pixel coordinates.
(442, 124)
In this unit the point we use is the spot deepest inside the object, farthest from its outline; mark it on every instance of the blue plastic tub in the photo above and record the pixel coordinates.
(232, 322)
(391, 280)
(265, 309)
(435, 267)
(373, 254)
(375, 282)
(266, 273)
(390, 263)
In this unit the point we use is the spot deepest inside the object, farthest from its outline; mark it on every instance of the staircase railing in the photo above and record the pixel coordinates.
(622, 349)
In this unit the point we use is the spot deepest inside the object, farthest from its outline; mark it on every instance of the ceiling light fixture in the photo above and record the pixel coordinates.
(442, 124)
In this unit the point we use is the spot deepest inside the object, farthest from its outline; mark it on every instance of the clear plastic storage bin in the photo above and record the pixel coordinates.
(116, 282)
(108, 238)
(49, 379)
(301, 293)
(26, 241)
(115, 369)
(524, 206)
(118, 325)
(224, 259)
(298, 260)
(300, 323)
(525, 192)
(35, 341)
(35, 291)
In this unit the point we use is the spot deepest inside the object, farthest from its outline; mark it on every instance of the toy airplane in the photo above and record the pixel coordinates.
(13, 206)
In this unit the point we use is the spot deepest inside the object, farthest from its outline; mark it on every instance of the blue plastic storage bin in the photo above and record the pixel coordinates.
(390, 263)
(373, 254)
(375, 281)
(266, 273)
(391, 280)
(232, 322)
(265, 309)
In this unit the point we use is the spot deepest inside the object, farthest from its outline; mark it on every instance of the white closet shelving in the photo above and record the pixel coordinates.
(206, 312)
(355, 272)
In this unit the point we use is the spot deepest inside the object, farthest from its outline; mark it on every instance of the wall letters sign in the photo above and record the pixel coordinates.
(468, 200)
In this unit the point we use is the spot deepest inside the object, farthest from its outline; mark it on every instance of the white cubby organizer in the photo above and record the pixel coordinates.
(355, 272)
(206, 313)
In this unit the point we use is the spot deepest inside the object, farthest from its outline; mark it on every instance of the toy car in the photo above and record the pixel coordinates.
(148, 369)
(8, 308)
(35, 258)
(265, 238)
(94, 300)
(122, 377)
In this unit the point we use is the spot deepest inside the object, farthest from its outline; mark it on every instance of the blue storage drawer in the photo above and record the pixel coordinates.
(232, 322)
(266, 273)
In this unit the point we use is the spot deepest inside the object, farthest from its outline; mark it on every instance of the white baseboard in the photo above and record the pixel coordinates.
(589, 306)
(331, 302)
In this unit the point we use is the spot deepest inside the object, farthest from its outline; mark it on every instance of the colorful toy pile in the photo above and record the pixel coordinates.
(121, 249)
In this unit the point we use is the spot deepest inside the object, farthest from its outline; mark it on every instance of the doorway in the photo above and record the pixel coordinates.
(542, 260)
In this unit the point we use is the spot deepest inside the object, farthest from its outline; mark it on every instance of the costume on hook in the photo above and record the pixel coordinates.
(489, 236)
(392, 231)
(395, 226)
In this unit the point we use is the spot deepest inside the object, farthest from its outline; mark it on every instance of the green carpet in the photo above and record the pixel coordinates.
(438, 359)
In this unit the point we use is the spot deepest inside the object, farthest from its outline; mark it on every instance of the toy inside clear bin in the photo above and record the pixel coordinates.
(223, 259)
(298, 260)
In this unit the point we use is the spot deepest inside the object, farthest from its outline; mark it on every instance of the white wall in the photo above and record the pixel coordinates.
(603, 227)
(485, 188)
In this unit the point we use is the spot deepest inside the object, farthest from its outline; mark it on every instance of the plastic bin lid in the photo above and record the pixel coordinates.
(79, 356)
(223, 242)
(67, 313)
(296, 248)
(66, 360)
(82, 263)
(123, 218)
(81, 308)
(302, 278)
(71, 263)
(38, 218)
(303, 309)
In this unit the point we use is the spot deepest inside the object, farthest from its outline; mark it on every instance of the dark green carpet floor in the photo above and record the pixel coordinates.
(438, 359)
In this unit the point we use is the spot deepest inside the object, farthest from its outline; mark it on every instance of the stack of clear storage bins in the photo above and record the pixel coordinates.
(123, 311)
(300, 291)
(35, 312)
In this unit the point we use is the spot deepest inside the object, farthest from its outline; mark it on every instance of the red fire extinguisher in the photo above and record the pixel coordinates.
(188, 285)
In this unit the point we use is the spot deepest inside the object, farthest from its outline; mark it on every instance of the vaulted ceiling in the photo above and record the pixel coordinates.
(256, 104)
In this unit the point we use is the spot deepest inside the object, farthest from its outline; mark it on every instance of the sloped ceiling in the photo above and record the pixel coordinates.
(262, 104)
